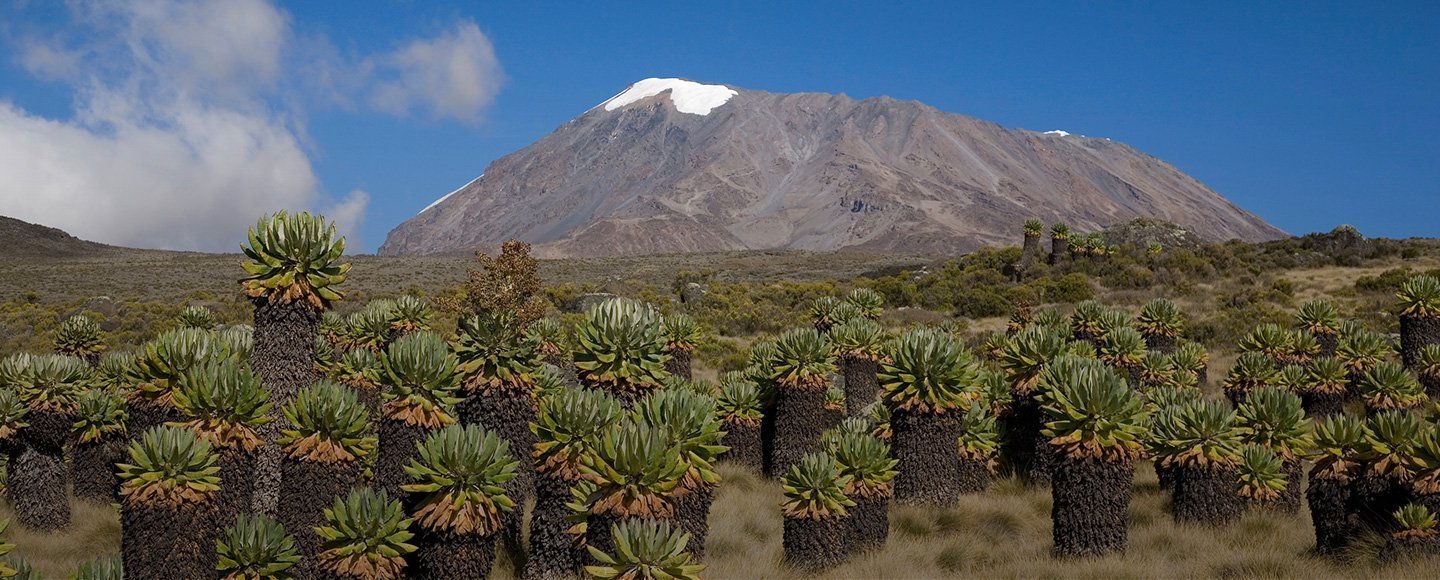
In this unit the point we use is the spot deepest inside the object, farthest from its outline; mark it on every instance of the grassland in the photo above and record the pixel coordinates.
(96, 533)
(1000, 534)
(1003, 533)
(143, 275)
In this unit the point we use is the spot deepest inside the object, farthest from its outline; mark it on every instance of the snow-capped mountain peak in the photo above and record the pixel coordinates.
(802, 171)
(688, 96)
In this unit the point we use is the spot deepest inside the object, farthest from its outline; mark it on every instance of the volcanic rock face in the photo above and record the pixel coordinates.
(676, 166)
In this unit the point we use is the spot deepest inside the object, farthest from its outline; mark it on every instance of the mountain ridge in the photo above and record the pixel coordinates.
(810, 171)
(19, 238)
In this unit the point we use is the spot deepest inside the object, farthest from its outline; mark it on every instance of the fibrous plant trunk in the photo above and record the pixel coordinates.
(169, 542)
(1403, 548)
(928, 455)
(307, 489)
(1431, 382)
(1237, 397)
(284, 360)
(799, 421)
(1431, 501)
(743, 440)
(1373, 500)
(237, 482)
(38, 490)
(1024, 447)
(1328, 342)
(767, 438)
(9, 448)
(1289, 500)
(1031, 250)
(1208, 495)
(692, 515)
(93, 465)
(143, 415)
(1415, 333)
(599, 533)
(816, 545)
(447, 556)
(869, 523)
(369, 396)
(861, 384)
(1328, 498)
(975, 474)
(1091, 508)
(508, 413)
(1166, 476)
(39, 477)
(49, 431)
(265, 494)
(397, 447)
(1029, 254)
(1161, 343)
(679, 363)
(1320, 405)
(1059, 250)
(554, 551)
(626, 395)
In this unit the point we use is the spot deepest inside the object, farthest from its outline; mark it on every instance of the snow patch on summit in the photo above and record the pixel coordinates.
(1058, 132)
(447, 196)
(689, 96)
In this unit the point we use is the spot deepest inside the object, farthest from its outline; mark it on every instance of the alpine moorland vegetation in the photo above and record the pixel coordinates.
(995, 414)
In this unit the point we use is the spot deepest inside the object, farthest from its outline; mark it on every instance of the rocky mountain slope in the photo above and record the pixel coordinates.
(676, 166)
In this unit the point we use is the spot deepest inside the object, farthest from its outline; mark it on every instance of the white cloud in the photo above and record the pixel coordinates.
(49, 62)
(455, 75)
(349, 215)
(216, 44)
(195, 183)
(187, 124)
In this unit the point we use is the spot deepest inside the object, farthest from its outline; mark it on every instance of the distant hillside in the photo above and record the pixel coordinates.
(20, 239)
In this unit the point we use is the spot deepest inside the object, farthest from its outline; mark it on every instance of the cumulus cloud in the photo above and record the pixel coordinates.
(455, 75)
(193, 183)
(349, 214)
(186, 126)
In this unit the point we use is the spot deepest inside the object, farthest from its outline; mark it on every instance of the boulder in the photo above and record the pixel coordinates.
(590, 300)
(692, 293)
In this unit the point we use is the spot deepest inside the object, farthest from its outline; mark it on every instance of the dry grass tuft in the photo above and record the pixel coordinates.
(1004, 533)
(95, 533)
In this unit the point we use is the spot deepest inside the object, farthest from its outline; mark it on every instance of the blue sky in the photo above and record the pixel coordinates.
(1309, 114)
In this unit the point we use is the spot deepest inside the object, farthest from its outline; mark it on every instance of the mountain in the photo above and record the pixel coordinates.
(21, 239)
(670, 165)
